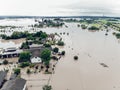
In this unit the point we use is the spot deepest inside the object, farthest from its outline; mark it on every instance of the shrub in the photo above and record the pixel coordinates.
(63, 53)
(28, 71)
(24, 64)
(56, 50)
(17, 71)
(47, 87)
(75, 57)
(54, 58)
(60, 43)
(93, 28)
(83, 26)
(31, 65)
(5, 62)
(45, 56)
(47, 45)
(24, 57)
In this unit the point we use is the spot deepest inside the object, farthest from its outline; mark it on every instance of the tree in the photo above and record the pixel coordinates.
(83, 26)
(5, 62)
(108, 23)
(93, 28)
(28, 71)
(60, 43)
(25, 45)
(47, 87)
(45, 56)
(56, 50)
(17, 71)
(24, 64)
(75, 57)
(24, 57)
(47, 45)
(63, 53)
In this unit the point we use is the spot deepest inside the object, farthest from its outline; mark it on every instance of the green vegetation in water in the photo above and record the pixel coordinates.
(83, 26)
(60, 43)
(47, 87)
(28, 71)
(93, 28)
(63, 53)
(29, 36)
(56, 50)
(46, 56)
(117, 35)
(11, 27)
(25, 45)
(17, 71)
(48, 23)
(75, 57)
(24, 64)
(24, 56)
(5, 62)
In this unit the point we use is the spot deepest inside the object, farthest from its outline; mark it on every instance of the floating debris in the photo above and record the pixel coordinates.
(106, 34)
(103, 64)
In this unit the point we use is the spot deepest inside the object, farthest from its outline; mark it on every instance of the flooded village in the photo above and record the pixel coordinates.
(60, 53)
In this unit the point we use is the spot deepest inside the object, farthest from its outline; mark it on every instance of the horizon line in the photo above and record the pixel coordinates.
(75, 16)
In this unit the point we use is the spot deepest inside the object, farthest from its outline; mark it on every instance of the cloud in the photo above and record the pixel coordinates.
(60, 7)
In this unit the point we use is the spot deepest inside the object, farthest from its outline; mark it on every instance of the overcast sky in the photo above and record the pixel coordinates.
(60, 7)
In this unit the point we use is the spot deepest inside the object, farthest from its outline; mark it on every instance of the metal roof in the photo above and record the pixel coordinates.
(15, 84)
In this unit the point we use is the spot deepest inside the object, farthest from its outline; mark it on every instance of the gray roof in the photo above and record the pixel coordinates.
(13, 76)
(15, 84)
(14, 52)
(2, 76)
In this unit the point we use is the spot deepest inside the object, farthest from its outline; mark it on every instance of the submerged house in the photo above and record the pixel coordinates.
(15, 84)
(36, 60)
(36, 49)
(10, 52)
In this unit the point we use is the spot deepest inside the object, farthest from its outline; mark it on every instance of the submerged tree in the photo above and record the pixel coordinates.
(45, 55)
(60, 43)
(75, 57)
(56, 50)
(24, 57)
(47, 87)
(17, 71)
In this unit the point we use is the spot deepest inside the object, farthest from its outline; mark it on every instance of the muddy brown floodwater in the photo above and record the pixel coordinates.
(86, 73)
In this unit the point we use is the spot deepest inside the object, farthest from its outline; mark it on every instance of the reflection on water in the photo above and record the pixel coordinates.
(92, 49)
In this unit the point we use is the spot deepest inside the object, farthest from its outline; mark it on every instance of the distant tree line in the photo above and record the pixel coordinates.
(18, 35)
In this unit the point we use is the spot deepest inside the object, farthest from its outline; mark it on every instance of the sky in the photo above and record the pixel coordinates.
(60, 7)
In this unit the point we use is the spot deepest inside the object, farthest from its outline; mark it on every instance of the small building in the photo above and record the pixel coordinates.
(10, 53)
(2, 77)
(36, 60)
(35, 46)
(12, 49)
(15, 84)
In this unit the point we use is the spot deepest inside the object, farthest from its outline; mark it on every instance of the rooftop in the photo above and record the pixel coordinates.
(36, 60)
(15, 84)
(2, 76)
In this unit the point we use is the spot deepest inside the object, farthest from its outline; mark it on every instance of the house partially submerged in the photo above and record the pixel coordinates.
(36, 49)
(36, 60)
(9, 52)
(2, 77)
(15, 84)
